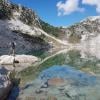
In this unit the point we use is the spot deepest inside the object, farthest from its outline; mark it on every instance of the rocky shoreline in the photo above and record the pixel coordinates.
(5, 82)
(7, 77)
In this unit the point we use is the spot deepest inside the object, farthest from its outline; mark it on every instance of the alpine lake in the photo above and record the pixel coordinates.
(72, 75)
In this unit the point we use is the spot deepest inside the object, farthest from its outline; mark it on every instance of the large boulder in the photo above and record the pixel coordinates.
(7, 59)
(5, 83)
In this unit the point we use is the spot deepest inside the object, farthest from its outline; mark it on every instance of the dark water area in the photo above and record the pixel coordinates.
(14, 93)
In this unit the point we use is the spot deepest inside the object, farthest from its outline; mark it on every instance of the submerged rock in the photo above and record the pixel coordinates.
(73, 76)
(63, 83)
(56, 82)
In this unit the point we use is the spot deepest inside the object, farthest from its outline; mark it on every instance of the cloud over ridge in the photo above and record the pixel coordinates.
(70, 6)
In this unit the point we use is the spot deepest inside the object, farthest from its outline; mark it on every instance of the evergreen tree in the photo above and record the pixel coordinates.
(5, 9)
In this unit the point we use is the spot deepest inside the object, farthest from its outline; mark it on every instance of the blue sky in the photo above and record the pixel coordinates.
(62, 12)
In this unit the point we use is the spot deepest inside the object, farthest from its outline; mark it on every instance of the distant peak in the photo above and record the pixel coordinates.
(94, 17)
(91, 18)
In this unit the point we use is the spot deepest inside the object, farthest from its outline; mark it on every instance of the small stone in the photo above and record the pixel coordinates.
(38, 91)
(45, 85)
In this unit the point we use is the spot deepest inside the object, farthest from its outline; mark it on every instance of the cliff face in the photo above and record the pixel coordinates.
(26, 39)
(21, 25)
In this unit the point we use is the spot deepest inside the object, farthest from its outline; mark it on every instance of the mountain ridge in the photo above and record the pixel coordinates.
(83, 30)
(22, 25)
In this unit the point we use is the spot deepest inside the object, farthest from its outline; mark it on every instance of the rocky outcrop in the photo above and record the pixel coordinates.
(5, 83)
(21, 61)
(6, 59)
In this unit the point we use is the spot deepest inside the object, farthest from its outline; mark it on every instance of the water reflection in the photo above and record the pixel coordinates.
(73, 58)
(83, 69)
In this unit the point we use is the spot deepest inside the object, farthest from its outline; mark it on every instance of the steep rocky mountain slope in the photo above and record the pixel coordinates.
(84, 31)
(22, 25)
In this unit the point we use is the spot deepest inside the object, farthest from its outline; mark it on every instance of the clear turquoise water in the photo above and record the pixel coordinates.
(84, 72)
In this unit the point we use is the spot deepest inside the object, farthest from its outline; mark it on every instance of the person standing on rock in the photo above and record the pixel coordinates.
(12, 48)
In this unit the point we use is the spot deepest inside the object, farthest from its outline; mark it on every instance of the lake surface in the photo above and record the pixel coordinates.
(80, 72)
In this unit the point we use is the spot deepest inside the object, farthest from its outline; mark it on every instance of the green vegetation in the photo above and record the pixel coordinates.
(5, 10)
(55, 31)
(29, 17)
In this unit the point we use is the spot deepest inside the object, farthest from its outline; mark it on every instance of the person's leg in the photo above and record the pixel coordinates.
(13, 52)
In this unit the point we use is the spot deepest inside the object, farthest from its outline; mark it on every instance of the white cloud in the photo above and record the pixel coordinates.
(68, 7)
(93, 3)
